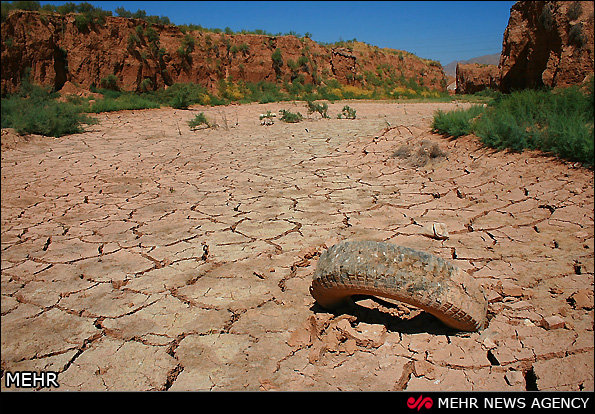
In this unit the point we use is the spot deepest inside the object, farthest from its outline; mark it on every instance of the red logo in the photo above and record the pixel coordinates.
(420, 402)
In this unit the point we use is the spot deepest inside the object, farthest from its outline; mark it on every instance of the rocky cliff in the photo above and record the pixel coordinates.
(474, 77)
(137, 55)
(451, 68)
(547, 43)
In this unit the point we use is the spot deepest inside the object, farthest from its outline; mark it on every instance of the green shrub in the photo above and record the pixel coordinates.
(320, 108)
(110, 82)
(347, 113)
(141, 14)
(181, 100)
(182, 95)
(244, 48)
(277, 61)
(292, 65)
(328, 93)
(576, 36)
(290, 116)
(264, 92)
(187, 46)
(557, 122)
(88, 15)
(145, 85)
(199, 120)
(82, 21)
(546, 18)
(303, 61)
(574, 10)
(34, 110)
(133, 40)
(489, 93)
(268, 115)
(456, 123)
(152, 35)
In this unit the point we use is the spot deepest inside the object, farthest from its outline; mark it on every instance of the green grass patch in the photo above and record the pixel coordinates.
(456, 123)
(122, 102)
(557, 122)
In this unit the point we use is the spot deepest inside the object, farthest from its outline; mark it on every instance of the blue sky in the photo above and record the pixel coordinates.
(440, 30)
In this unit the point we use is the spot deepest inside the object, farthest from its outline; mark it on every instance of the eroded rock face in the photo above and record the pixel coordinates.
(473, 77)
(56, 51)
(547, 43)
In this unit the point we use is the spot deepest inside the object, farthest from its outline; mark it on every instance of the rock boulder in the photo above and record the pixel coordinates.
(474, 77)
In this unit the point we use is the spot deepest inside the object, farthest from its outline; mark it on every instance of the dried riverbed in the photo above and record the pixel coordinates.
(142, 255)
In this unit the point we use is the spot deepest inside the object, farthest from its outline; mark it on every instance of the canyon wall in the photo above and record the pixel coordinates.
(55, 50)
(547, 43)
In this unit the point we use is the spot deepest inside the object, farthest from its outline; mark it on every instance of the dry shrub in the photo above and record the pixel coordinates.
(421, 154)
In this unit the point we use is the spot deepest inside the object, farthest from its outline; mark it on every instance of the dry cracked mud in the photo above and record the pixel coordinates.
(141, 255)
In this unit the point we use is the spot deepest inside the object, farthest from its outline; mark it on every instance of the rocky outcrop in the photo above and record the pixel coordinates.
(473, 77)
(140, 55)
(547, 43)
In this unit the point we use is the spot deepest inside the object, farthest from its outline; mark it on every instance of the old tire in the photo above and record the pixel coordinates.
(407, 275)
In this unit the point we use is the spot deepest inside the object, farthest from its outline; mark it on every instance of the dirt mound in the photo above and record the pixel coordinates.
(70, 89)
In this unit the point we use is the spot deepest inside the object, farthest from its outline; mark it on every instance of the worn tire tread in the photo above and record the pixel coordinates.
(404, 274)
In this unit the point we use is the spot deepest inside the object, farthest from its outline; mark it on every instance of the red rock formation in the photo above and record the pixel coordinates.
(474, 77)
(56, 51)
(547, 43)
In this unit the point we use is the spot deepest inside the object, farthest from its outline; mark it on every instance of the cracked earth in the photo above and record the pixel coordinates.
(141, 255)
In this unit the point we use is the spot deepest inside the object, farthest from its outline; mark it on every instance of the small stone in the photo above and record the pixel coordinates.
(344, 326)
(370, 335)
(582, 299)
(552, 322)
(366, 335)
(440, 231)
(511, 290)
(514, 378)
(435, 230)
(489, 343)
